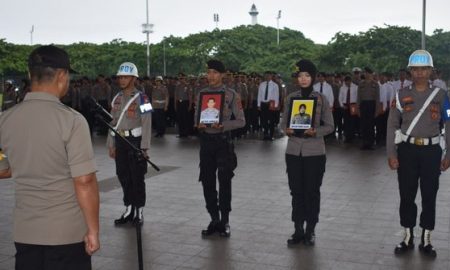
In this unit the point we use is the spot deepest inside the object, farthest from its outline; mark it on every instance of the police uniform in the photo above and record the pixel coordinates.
(136, 127)
(305, 161)
(210, 114)
(301, 118)
(368, 104)
(217, 157)
(415, 144)
(160, 99)
(182, 100)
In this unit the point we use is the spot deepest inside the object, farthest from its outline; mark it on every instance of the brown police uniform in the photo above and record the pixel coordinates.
(419, 154)
(136, 126)
(160, 101)
(217, 154)
(368, 103)
(47, 144)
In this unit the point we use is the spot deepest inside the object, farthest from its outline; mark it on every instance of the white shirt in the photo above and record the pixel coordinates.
(440, 83)
(327, 91)
(387, 93)
(273, 93)
(343, 94)
(398, 84)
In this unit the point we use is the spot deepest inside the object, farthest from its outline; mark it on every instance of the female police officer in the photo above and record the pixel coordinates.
(305, 157)
(413, 148)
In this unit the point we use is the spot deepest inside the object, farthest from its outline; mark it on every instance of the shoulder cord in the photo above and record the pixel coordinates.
(421, 111)
(125, 109)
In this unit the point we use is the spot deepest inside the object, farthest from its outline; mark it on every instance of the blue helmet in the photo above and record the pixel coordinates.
(420, 58)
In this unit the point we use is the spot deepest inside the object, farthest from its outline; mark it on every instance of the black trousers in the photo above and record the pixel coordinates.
(103, 129)
(419, 165)
(268, 119)
(217, 157)
(305, 176)
(349, 125)
(367, 110)
(381, 127)
(254, 116)
(337, 116)
(131, 170)
(60, 257)
(183, 117)
(159, 116)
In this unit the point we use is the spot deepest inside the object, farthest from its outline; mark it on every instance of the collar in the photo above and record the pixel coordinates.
(41, 96)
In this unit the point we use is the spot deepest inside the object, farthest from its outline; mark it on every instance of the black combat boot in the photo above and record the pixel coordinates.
(425, 245)
(298, 236)
(126, 217)
(310, 236)
(407, 244)
(211, 229)
(139, 216)
(224, 226)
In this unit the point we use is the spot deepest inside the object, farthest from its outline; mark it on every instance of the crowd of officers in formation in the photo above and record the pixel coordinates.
(360, 100)
(347, 104)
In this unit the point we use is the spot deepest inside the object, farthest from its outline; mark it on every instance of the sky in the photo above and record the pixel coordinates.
(100, 21)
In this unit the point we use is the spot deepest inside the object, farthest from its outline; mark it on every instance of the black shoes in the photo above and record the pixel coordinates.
(407, 244)
(310, 239)
(211, 229)
(139, 216)
(127, 216)
(224, 230)
(297, 238)
(425, 246)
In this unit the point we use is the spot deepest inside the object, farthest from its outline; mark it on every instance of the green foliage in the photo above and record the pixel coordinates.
(246, 48)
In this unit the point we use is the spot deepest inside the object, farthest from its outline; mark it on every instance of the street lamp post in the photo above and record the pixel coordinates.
(278, 27)
(31, 34)
(147, 28)
(423, 23)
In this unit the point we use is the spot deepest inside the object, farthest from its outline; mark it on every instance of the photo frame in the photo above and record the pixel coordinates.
(210, 108)
(301, 114)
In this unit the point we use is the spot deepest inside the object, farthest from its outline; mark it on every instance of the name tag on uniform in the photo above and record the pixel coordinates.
(146, 107)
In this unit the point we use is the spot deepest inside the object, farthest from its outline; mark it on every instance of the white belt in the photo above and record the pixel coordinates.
(420, 141)
(160, 101)
(136, 132)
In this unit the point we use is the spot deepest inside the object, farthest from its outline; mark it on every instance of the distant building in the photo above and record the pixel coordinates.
(254, 13)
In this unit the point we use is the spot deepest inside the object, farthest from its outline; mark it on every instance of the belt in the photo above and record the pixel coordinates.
(214, 137)
(420, 141)
(136, 132)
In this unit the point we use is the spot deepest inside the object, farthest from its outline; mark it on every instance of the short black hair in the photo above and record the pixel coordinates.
(211, 98)
(302, 105)
(42, 74)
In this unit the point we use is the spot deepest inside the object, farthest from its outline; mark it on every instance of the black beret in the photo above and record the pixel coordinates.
(216, 65)
(305, 65)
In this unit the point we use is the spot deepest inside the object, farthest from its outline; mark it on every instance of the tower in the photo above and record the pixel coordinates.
(254, 13)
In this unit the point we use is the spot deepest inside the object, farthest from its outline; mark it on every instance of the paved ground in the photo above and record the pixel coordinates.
(358, 228)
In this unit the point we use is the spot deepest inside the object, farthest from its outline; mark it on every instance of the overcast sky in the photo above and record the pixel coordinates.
(99, 21)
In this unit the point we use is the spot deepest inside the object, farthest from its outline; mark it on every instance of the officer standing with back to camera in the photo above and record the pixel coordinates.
(131, 111)
(217, 151)
(48, 151)
(413, 148)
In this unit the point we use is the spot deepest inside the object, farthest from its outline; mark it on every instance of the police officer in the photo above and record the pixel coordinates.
(183, 103)
(369, 106)
(217, 152)
(48, 151)
(413, 149)
(305, 157)
(131, 119)
(160, 100)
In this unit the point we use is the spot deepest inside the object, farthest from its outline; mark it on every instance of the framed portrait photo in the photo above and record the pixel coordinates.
(211, 108)
(302, 112)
